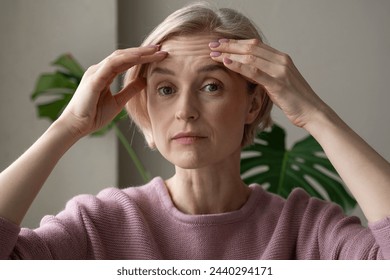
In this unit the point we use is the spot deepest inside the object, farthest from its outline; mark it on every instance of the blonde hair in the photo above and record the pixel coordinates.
(196, 19)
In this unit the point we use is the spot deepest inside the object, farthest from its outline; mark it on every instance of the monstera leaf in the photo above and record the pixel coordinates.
(269, 163)
(58, 88)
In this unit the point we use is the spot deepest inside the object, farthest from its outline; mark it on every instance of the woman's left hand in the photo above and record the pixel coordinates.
(273, 70)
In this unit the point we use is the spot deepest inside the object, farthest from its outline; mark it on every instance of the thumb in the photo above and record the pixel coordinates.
(132, 88)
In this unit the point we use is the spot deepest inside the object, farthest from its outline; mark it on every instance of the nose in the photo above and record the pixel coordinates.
(187, 107)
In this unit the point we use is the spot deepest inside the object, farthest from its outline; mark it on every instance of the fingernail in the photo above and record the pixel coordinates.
(154, 46)
(223, 40)
(161, 53)
(227, 60)
(214, 45)
(215, 54)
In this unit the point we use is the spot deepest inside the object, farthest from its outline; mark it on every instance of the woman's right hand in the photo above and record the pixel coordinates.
(91, 107)
(93, 104)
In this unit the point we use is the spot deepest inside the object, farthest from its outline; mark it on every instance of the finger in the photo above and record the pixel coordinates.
(252, 41)
(121, 60)
(250, 46)
(119, 63)
(270, 68)
(249, 71)
(146, 50)
(132, 88)
(109, 72)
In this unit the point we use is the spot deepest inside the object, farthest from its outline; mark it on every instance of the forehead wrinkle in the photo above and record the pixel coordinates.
(192, 45)
(204, 69)
(162, 70)
(213, 67)
(185, 50)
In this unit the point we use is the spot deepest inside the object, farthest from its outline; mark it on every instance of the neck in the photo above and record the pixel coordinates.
(209, 190)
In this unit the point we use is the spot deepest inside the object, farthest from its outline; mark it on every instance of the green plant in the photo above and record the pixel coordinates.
(58, 87)
(269, 163)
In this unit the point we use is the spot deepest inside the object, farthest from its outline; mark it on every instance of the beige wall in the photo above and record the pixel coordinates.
(32, 34)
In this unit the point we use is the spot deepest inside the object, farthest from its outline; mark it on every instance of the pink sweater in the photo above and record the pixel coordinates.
(143, 223)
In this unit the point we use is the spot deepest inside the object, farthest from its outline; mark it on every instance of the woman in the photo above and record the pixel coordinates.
(197, 88)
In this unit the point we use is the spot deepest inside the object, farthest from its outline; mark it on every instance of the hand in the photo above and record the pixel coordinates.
(274, 71)
(93, 104)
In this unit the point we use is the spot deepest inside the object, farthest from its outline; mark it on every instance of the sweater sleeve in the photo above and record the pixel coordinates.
(74, 233)
(8, 237)
(59, 237)
(381, 232)
(343, 237)
(327, 233)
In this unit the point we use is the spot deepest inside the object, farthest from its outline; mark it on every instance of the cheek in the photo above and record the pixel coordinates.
(229, 120)
(153, 112)
(160, 120)
(153, 108)
(236, 109)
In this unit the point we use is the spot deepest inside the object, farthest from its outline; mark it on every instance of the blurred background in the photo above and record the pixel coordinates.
(341, 48)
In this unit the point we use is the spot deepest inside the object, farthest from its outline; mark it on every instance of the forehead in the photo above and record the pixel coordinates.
(188, 52)
(194, 45)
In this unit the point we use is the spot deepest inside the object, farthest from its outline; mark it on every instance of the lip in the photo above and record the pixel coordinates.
(187, 137)
(186, 134)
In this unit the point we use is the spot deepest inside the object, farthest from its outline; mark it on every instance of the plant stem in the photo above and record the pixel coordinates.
(283, 172)
(141, 169)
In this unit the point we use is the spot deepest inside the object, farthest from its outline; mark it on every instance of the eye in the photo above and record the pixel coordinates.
(212, 87)
(165, 90)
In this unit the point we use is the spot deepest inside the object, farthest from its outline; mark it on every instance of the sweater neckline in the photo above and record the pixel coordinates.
(207, 219)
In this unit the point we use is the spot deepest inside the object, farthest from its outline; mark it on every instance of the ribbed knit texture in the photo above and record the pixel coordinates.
(143, 223)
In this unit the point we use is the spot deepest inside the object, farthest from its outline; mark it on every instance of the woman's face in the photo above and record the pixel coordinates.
(197, 107)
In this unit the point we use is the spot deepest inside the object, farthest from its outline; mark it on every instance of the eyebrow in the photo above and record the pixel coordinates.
(212, 68)
(206, 68)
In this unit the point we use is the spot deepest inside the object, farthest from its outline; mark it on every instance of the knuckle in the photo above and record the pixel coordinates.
(250, 48)
(95, 79)
(112, 56)
(238, 67)
(285, 59)
(255, 41)
(91, 69)
(252, 45)
(254, 71)
(108, 60)
(250, 59)
(282, 72)
(117, 52)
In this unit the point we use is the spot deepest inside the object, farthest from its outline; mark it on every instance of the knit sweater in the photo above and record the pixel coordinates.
(143, 223)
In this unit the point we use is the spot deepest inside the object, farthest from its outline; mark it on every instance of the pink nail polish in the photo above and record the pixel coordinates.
(227, 60)
(223, 40)
(215, 54)
(214, 45)
(161, 53)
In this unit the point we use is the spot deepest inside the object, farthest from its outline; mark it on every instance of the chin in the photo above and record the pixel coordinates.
(189, 161)
(189, 164)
